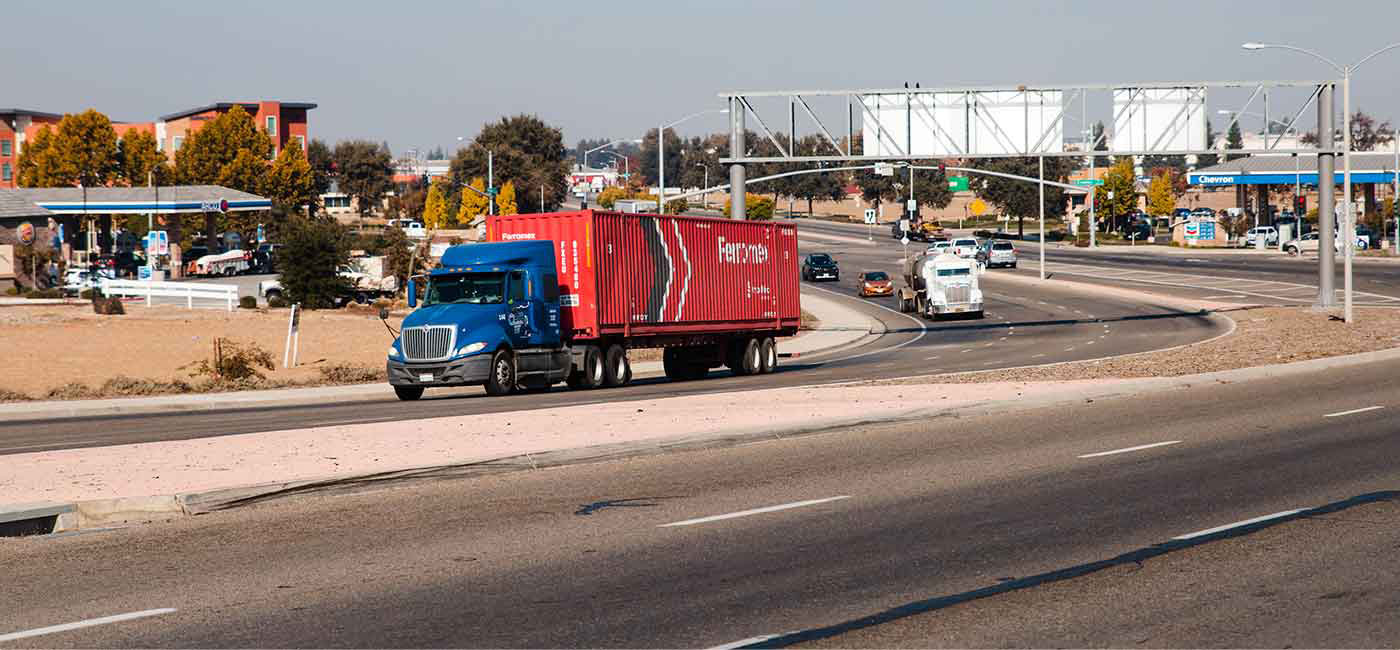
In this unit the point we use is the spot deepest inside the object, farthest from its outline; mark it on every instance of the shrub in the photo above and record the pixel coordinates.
(7, 395)
(232, 362)
(276, 302)
(70, 390)
(350, 374)
(126, 386)
(108, 306)
(247, 302)
(44, 293)
(757, 207)
(12, 291)
(85, 294)
(312, 252)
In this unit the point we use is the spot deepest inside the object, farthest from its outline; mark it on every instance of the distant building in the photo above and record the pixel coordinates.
(14, 123)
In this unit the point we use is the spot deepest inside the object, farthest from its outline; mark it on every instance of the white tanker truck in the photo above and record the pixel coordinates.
(939, 285)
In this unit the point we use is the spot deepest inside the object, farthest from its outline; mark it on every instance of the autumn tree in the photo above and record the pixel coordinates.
(435, 207)
(473, 203)
(1160, 198)
(290, 183)
(141, 163)
(364, 171)
(505, 201)
(83, 150)
(34, 167)
(1121, 183)
(216, 145)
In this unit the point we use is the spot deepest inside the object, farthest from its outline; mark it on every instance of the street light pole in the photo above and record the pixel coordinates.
(1042, 217)
(1348, 219)
(661, 154)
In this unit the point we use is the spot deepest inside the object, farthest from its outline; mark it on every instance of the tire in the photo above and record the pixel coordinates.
(767, 356)
(361, 298)
(408, 393)
(617, 371)
(1013, 265)
(501, 380)
(750, 359)
(590, 376)
(976, 314)
(273, 294)
(1292, 251)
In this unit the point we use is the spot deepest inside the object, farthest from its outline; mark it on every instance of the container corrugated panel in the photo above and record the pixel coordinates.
(661, 274)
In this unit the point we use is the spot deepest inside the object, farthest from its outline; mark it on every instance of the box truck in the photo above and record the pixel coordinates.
(563, 297)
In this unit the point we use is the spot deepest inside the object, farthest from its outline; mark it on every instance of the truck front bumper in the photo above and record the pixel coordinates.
(467, 371)
(957, 308)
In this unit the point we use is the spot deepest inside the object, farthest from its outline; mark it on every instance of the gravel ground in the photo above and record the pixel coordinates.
(1263, 336)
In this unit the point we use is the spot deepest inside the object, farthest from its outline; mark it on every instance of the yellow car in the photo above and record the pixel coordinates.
(875, 283)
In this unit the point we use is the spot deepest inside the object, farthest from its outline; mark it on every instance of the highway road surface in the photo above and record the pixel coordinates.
(1023, 325)
(1121, 522)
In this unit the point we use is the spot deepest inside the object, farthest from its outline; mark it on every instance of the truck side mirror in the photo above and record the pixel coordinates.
(412, 293)
(383, 313)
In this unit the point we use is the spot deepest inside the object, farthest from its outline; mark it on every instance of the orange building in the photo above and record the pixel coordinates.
(15, 126)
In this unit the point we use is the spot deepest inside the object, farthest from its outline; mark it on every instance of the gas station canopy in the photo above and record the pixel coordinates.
(172, 199)
(1288, 170)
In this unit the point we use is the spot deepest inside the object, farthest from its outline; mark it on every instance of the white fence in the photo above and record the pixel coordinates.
(190, 291)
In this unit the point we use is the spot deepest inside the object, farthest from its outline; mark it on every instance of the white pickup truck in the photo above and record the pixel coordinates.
(941, 284)
(367, 282)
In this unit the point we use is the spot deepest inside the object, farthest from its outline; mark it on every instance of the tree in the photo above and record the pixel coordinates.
(403, 257)
(473, 203)
(34, 167)
(313, 252)
(365, 171)
(1100, 143)
(1366, 134)
(141, 163)
(290, 183)
(322, 162)
(1208, 160)
(1021, 198)
(674, 156)
(1234, 139)
(1160, 198)
(1121, 182)
(1150, 164)
(435, 207)
(527, 152)
(217, 144)
(505, 201)
(757, 207)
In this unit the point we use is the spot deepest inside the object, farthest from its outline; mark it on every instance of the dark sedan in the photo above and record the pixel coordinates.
(820, 266)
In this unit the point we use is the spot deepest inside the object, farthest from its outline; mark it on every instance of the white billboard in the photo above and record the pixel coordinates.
(927, 125)
(1159, 119)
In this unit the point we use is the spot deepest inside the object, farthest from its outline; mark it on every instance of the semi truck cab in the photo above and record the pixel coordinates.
(489, 315)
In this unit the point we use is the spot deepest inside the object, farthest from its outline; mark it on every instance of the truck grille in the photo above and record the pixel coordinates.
(428, 343)
(958, 294)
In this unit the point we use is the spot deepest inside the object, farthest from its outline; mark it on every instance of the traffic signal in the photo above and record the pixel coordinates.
(1300, 205)
(423, 182)
(943, 168)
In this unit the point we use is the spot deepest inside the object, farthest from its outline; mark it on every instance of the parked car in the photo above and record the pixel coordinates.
(75, 280)
(1180, 213)
(1309, 244)
(875, 283)
(938, 247)
(820, 266)
(410, 227)
(964, 247)
(1268, 233)
(997, 253)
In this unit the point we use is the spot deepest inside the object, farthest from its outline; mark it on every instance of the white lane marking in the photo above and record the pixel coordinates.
(1228, 295)
(1238, 524)
(1130, 449)
(1091, 342)
(990, 363)
(743, 642)
(1069, 349)
(1352, 412)
(78, 625)
(755, 511)
(1036, 356)
(931, 358)
(967, 350)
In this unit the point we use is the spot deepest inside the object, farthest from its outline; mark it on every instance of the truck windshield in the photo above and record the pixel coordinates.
(943, 273)
(466, 288)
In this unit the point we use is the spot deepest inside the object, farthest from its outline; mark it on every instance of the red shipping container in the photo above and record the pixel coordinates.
(645, 275)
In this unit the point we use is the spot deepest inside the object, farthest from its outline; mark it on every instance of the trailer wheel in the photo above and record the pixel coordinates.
(408, 393)
(591, 374)
(616, 369)
(748, 361)
(501, 381)
(768, 356)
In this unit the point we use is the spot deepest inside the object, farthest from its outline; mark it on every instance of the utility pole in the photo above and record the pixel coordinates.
(490, 184)
(1326, 187)
(737, 188)
(1042, 217)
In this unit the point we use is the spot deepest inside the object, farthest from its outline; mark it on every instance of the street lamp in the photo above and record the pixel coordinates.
(1349, 224)
(661, 153)
(626, 164)
(605, 146)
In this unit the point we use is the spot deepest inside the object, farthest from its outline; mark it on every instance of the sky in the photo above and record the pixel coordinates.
(420, 74)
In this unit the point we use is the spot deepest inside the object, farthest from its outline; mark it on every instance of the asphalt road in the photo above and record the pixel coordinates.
(1022, 326)
(1248, 276)
(896, 523)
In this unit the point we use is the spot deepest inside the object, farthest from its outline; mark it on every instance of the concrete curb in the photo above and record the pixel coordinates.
(107, 512)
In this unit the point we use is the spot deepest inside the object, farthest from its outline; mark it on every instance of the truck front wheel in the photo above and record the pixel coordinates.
(408, 393)
(616, 369)
(502, 378)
